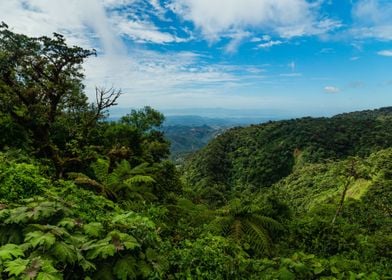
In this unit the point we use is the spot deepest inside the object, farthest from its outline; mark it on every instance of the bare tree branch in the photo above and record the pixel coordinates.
(104, 99)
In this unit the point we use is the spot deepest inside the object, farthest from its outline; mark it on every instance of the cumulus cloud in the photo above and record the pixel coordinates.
(372, 19)
(385, 53)
(84, 23)
(286, 18)
(331, 89)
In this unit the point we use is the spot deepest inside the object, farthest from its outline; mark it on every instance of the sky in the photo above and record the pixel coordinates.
(299, 57)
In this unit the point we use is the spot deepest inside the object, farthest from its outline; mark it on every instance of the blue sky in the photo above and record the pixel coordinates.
(299, 57)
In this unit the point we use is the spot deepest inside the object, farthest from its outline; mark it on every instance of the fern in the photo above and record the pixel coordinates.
(140, 179)
(245, 225)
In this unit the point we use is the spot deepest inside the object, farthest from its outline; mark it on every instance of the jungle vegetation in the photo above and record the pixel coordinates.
(82, 197)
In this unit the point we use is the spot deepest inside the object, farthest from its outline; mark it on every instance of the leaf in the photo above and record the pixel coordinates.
(101, 249)
(17, 216)
(318, 270)
(48, 276)
(67, 223)
(334, 269)
(38, 238)
(285, 274)
(125, 268)
(120, 240)
(140, 179)
(93, 229)
(86, 265)
(64, 252)
(9, 251)
(16, 267)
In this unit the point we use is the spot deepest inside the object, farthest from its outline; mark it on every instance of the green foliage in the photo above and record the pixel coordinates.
(246, 225)
(260, 155)
(298, 199)
(208, 257)
(19, 180)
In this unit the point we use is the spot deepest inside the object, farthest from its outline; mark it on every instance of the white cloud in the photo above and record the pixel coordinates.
(331, 89)
(236, 39)
(385, 53)
(147, 76)
(84, 23)
(143, 31)
(372, 19)
(269, 44)
(286, 18)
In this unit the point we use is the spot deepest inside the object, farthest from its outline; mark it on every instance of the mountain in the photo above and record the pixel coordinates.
(189, 133)
(260, 155)
(185, 140)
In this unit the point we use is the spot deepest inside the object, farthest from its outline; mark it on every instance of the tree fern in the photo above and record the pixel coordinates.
(245, 225)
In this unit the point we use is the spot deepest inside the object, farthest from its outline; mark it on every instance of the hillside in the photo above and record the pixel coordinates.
(188, 139)
(260, 155)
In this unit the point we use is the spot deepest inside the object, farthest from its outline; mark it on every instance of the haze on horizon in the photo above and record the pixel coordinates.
(291, 56)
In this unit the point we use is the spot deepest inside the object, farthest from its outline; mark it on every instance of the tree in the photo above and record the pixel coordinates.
(41, 84)
(351, 176)
(247, 226)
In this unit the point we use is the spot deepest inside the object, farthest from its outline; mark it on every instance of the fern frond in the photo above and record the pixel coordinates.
(140, 179)
(258, 237)
(266, 222)
(236, 231)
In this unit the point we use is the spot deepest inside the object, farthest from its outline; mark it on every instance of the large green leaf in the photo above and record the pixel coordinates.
(125, 268)
(39, 238)
(93, 229)
(9, 251)
(16, 267)
(64, 252)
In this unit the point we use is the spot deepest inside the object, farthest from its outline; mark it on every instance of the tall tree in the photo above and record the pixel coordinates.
(40, 82)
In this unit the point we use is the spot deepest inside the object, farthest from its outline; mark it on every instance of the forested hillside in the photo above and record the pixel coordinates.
(258, 156)
(185, 140)
(85, 198)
